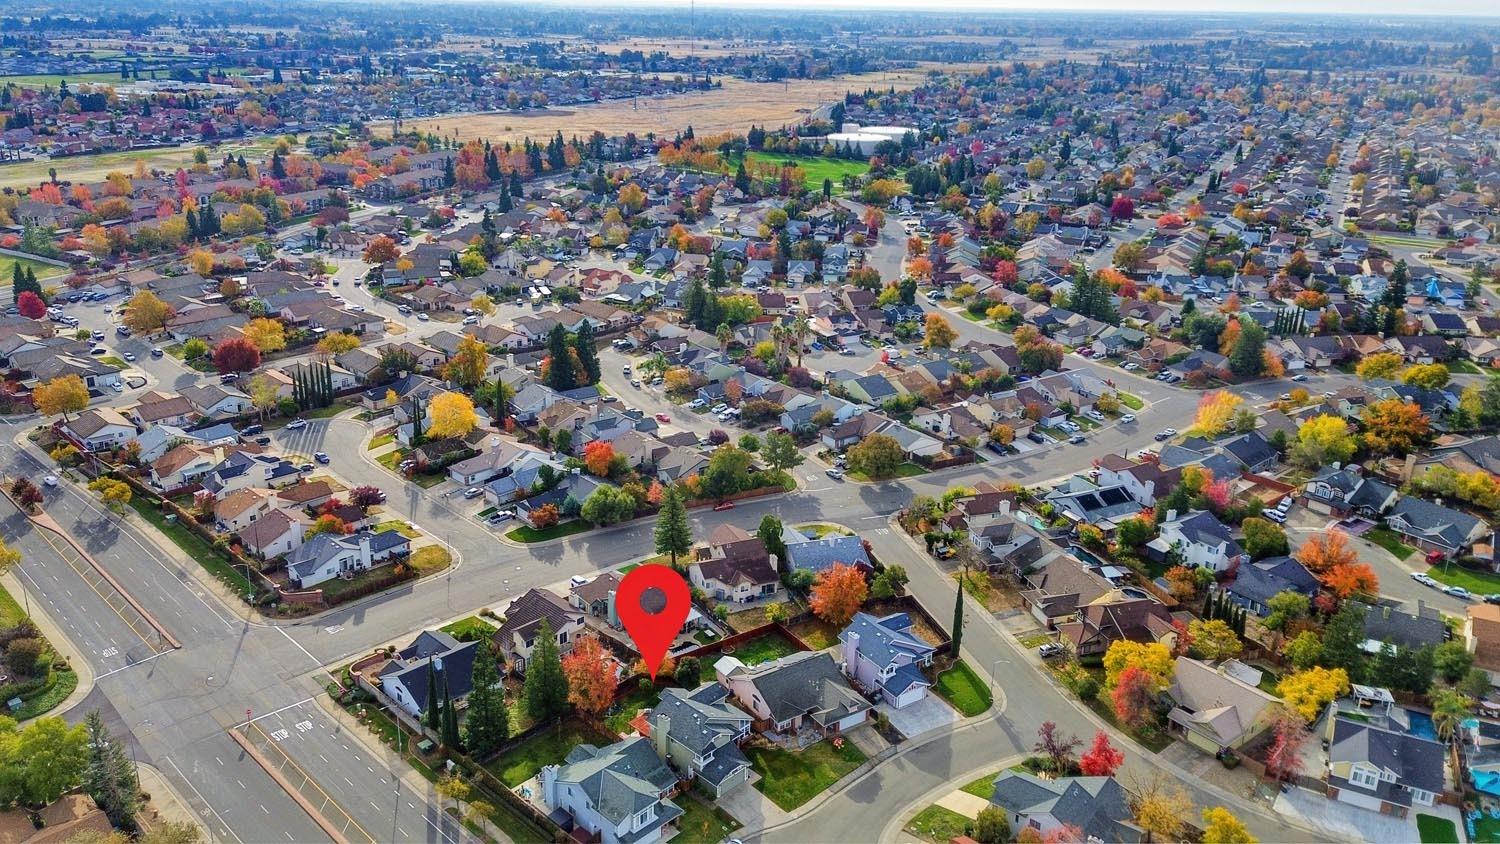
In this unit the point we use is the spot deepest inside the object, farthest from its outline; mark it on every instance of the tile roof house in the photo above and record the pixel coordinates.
(734, 566)
(523, 619)
(615, 795)
(882, 653)
(327, 556)
(404, 678)
(1098, 807)
(804, 693)
(1256, 582)
(1433, 527)
(1200, 539)
(1382, 770)
(1214, 710)
(808, 554)
(699, 733)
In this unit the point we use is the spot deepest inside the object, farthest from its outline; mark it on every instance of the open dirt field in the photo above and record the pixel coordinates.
(736, 106)
(93, 168)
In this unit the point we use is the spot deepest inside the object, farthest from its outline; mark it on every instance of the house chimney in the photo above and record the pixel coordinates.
(1171, 515)
(660, 725)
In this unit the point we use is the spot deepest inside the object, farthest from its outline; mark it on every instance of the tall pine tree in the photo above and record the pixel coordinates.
(487, 724)
(674, 535)
(434, 714)
(588, 352)
(560, 375)
(546, 687)
(110, 776)
(450, 717)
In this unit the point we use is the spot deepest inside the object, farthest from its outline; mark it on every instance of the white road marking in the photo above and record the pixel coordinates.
(243, 724)
(133, 664)
(204, 800)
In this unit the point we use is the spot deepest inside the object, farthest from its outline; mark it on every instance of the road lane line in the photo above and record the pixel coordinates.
(205, 802)
(244, 724)
(132, 665)
(299, 647)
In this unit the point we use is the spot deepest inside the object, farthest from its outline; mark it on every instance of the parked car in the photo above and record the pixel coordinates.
(262, 440)
(473, 492)
(1037, 437)
(1076, 439)
(321, 457)
(1127, 419)
(50, 480)
(1050, 650)
(1094, 415)
(129, 357)
(697, 404)
(1423, 579)
(500, 516)
(1458, 592)
(1299, 377)
(1274, 515)
(296, 424)
(156, 352)
(663, 418)
(251, 430)
(305, 468)
(836, 474)
(724, 505)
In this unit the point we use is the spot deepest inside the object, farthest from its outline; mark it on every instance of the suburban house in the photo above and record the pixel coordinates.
(1433, 527)
(1126, 613)
(883, 654)
(1098, 807)
(1482, 637)
(237, 510)
(734, 566)
(699, 733)
(405, 679)
(1346, 491)
(805, 553)
(803, 694)
(523, 619)
(99, 429)
(1200, 539)
(614, 795)
(1215, 710)
(1387, 625)
(1256, 582)
(1382, 770)
(327, 556)
(277, 532)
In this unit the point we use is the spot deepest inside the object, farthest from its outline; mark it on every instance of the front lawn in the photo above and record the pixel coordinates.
(1477, 582)
(905, 470)
(1463, 367)
(1387, 539)
(430, 558)
(470, 629)
(963, 689)
(527, 533)
(984, 786)
(526, 759)
(790, 779)
(1435, 830)
(1131, 401)
(762, 649)
(381, 441)
(938, 824)
(702, 822)
(403, 528)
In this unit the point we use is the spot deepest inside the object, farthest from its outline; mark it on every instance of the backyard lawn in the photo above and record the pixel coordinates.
(523, 761)
(1387, 539)
(1475, 581)
(630, 705)
(816, 633)
(962, 688)
(702, 822)
(1486, 830)
(527, 533)
(790, 779)
(403, 528)
(1436, 830)
(935, 823)
(763, 649)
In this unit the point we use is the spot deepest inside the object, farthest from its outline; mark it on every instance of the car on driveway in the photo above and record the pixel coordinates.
(697, 404)
(296, 424)
(1050, 650)
(473, 492)
(157, 352)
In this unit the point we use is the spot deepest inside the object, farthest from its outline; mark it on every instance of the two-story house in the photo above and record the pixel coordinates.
(614, 795)
(883, 654)
(1382, 770)
(699, 733)
(1200, 539)
(1098, 808)
(517, 637)
(734, 566)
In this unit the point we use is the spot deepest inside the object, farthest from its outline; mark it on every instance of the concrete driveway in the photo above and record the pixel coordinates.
(1343, 822)
(929, 713)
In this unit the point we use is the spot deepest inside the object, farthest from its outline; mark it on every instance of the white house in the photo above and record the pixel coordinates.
(327, 556)
(277, 532)
(1201, 539)
(99, 429)
(614, 794)
(804, 692)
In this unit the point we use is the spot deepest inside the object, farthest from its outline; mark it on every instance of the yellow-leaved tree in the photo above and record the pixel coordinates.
(1220, 826)
(146, 313)
(1154, 658)
(64, 394)
(268, 335)
(1309, 691)
(1216, 412)
(452, 416)
(1382, 365)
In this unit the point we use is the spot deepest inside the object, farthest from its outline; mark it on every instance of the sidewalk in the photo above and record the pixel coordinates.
(165, 803)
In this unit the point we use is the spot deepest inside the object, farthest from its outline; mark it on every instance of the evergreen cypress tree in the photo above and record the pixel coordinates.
(487, 725)
(450, 717)
(958, 618)
(560, 375)
(546, 687)
(674, 535)
(588, 353)
(1208, 606)
(434, 714)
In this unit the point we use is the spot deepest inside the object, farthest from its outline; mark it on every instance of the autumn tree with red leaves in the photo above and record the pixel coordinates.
(1284, 756)
(1102, 758)
(31, 305)
(1132, 696)
(839, 593)
(591, 676)
(236, 354)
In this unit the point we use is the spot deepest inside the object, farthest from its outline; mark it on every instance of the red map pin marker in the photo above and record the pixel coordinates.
(653, 627)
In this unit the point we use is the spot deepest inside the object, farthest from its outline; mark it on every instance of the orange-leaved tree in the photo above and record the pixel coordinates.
(591, 676)
(597, 456)
(838, 593)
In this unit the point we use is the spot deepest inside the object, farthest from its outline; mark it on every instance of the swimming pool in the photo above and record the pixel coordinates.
(1420, 724)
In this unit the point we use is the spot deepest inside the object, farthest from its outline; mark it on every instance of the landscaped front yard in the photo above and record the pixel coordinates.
(470, 629)
(963, 689)
(1435, 830)
(905, 470)
(702, 822)
(403, 528)
(527, 533)
(790, 779)
(1477, 582)
(1387, 539)
(526, 759)
(938, 824)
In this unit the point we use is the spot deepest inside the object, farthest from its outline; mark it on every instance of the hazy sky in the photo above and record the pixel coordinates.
(1369, 7)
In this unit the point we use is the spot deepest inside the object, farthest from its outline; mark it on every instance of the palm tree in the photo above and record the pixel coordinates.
(724, 335)
(780, 337)
(1449, 709)
(799, 331)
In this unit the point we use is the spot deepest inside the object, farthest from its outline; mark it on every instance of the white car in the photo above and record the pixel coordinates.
(1458, 592)
(50, 480)
(719, 408)
(1127, 418)
(1423, 579)
(473, 492)
(296, 424)
(835, 473)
